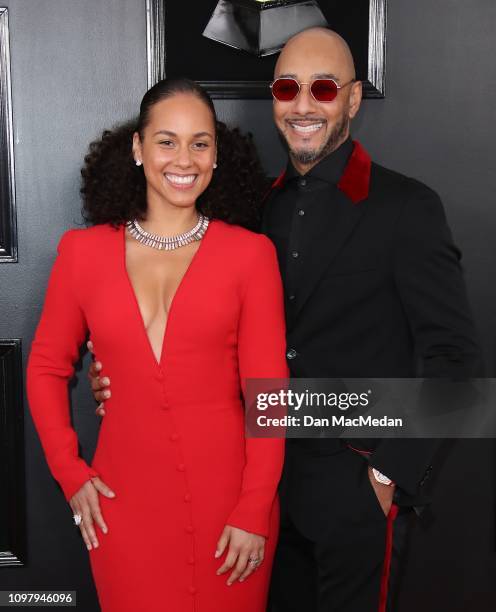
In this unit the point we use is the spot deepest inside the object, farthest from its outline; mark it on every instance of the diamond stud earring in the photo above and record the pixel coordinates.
(215, 165)
(138, 162)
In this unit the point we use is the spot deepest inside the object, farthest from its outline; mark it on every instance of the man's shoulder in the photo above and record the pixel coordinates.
(388, 180)
(412, 200)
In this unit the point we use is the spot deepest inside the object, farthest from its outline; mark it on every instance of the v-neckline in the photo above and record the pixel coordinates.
(192, 263)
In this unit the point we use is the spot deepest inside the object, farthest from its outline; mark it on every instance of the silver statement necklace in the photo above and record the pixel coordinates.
(168, 243)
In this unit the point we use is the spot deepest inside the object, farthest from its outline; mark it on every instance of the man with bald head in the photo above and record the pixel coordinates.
(373, 288)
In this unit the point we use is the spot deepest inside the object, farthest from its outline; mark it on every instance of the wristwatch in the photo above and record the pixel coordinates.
(381, 478)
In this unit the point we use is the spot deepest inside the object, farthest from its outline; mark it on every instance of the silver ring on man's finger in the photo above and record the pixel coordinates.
(78, 519)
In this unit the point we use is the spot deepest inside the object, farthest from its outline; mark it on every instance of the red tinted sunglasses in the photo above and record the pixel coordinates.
(323, 90)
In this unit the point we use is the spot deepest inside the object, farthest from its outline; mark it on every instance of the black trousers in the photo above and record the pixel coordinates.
(337, 551)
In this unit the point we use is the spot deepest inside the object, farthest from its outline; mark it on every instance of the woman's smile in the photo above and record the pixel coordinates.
(181, 181)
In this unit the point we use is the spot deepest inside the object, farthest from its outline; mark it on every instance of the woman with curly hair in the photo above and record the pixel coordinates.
(178, 508)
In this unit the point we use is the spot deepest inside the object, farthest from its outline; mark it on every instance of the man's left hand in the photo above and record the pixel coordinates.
(384, 492)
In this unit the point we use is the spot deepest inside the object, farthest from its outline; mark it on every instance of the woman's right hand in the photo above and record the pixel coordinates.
(85, 503)
(99, 386)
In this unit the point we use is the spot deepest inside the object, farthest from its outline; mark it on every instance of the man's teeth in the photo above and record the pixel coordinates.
(181, 180)
(306, 129)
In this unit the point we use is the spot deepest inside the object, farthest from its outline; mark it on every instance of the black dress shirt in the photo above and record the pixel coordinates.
(298, 198)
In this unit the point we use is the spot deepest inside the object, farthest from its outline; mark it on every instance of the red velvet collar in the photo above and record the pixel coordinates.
(355, 181)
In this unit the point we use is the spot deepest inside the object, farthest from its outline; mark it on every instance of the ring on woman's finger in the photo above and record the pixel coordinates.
(254, 561)
(78, 519)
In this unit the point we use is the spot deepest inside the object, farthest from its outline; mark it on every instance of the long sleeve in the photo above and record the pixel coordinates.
(430, 283)
(54, 351)
(261, 354)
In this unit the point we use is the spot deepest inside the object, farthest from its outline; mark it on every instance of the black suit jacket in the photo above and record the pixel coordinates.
(382, 295)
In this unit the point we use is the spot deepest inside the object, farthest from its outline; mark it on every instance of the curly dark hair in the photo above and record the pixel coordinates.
(114, 188)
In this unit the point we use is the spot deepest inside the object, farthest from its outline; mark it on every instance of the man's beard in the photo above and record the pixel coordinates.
(311, 156)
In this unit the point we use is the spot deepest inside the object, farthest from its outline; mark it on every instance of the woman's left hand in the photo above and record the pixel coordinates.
(243, 546)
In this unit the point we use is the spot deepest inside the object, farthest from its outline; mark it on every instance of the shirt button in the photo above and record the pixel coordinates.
(174, 437)
(190, 529)
(302, 182)
(193, 590)
(291, 354)
(187, 497)
(191, 560)
(160, 375)
(295, 254)
(301, 212)
(292, 297)
(181, 467)
(165, 406)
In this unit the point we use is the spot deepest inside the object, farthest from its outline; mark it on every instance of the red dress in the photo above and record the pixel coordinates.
(172, 444)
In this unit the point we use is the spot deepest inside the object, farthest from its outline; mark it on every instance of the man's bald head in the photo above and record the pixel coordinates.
(310, 44)
(311, 128)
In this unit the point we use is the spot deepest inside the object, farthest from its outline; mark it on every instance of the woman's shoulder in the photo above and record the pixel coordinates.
(87, 236)
(244, 241)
